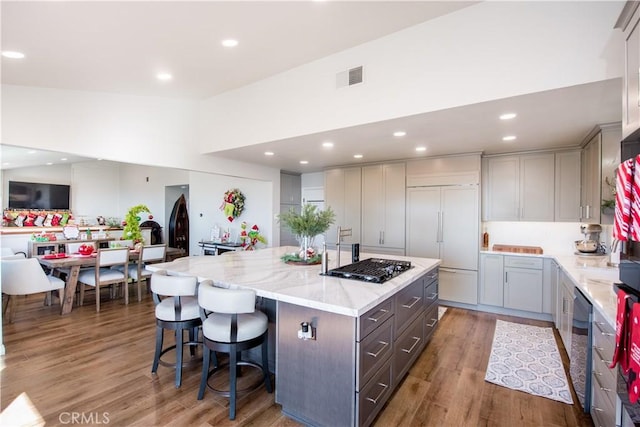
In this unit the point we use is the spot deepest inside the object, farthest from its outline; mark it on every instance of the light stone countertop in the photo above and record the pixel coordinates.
(264, 272)
(591, 275)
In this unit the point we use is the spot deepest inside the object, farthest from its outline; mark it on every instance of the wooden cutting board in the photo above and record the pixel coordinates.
(518, 249)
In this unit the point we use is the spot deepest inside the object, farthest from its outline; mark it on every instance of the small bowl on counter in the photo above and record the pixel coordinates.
(586, 246)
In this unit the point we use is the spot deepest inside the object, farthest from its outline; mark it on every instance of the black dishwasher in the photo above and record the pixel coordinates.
(580, 353)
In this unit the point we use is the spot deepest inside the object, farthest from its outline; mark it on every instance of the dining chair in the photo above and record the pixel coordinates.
(24, 276)
(72, 248)
(231, 324)
(103, 274)
(8, 253)
(176, 310)
(138, 272)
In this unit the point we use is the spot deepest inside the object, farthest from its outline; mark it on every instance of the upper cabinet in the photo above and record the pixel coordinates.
(290, 189)
(567, 198)
(343, 191)
(519, 188)
(629, 23)
(383, 207)
(591, 179)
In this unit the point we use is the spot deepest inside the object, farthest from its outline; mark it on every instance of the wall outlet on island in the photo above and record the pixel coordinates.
(306, 331)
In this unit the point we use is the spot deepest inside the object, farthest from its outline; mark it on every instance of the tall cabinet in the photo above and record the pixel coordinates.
(290, 199)
(343, 191)
(443, 217)
(383, 208)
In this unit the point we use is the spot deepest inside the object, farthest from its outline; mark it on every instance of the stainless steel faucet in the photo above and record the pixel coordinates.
(346, 232)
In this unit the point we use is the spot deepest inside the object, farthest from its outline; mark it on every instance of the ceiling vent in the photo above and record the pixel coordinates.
(350, 77)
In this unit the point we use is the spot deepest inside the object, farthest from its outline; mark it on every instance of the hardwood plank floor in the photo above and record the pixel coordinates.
(99, 364)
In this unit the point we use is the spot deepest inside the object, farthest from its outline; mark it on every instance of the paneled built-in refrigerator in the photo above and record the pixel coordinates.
(443, 222)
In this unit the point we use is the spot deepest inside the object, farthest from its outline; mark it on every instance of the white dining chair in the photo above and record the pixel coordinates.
(103, 274)
(24, 276)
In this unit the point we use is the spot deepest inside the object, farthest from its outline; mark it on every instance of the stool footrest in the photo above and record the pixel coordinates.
(224, 368)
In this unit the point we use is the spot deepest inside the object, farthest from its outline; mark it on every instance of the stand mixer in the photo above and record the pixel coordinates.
(590, 245)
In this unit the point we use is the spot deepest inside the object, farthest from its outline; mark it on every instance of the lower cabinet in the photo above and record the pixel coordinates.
(603, 381)
(459, 285)
(565, 310)
(514, 282)
(354, 364)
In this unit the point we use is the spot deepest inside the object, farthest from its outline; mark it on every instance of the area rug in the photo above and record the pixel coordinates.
(526, 358)
(441, 311)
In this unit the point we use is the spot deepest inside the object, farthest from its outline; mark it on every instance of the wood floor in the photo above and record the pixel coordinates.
(97, 367)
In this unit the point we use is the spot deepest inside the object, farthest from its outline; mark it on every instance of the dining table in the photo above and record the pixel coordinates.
(74, 262)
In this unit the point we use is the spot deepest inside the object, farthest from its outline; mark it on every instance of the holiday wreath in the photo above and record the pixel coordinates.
(232, 204)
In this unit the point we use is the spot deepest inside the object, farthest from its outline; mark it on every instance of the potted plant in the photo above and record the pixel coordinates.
(306, 225)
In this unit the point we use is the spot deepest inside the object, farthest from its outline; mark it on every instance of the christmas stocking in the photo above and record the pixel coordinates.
(634, 354)
(622, 333)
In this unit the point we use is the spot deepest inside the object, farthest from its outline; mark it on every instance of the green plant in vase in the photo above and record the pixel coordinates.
(306, 225)
(131, 224)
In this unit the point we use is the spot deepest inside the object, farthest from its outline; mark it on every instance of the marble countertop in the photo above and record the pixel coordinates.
(591, 275)
(264, 272)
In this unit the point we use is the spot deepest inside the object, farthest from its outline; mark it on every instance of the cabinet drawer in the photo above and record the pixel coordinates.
(523, 262)
(431, 294)
(431, 277)
(374, 318)
(407, 348)
(604, 336)
(374, 350)
(604, 379)
(430, 322)
(409, 304)
(374, 395)
(602, 411)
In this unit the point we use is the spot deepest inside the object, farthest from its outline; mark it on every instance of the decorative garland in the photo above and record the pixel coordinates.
(232, 204)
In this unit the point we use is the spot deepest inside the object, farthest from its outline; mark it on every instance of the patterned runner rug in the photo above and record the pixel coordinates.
(441, 312)
(526, 358)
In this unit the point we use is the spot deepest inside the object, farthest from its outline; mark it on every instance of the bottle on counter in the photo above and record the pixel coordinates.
(485, 239)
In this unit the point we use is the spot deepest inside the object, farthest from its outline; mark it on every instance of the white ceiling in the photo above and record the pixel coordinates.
(118, 47)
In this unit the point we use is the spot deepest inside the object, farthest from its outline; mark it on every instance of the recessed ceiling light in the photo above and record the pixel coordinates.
(399, 133)
(31, 152)
(327, 144)
(507, 116)
(358, 156)
(6, 164)
(164, 77)
(64, 159)
(49, 163)
(420, 149)
(509, 138)
(12, 54)
(304, 162)
(268, 153)
(230, 43)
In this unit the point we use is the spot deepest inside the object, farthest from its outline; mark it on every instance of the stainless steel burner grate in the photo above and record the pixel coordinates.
(375, 270)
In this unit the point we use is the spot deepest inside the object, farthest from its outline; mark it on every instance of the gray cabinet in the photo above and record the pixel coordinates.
(565, 315)
(290, 199)
(383, 207)
(523, 283)
(591, 180)
(343, 193)
(519, 188)
(354, 364)
(567, 196)
(629, 20)
(603, 381)
(491, 279)
(514, 282)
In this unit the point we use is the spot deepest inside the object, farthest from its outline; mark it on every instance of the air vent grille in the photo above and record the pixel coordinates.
(355, 76)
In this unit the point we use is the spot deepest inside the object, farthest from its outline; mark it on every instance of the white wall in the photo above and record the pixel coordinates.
(488, 51)
(206, 193)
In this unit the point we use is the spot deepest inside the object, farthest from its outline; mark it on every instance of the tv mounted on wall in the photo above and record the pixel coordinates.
(33, 195)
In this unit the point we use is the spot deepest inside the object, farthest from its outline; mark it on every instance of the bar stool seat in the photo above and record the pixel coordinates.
(178, 312)
(231, 324)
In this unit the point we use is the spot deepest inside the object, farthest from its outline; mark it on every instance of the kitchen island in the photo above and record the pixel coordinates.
(363, 336)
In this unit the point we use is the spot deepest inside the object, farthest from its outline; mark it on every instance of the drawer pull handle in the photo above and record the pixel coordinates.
(384, 388)
(418, 339)
(433, 296)
(415, 301)
(376, 354)
(600, 326)
(608, 390)
(606, 362)
(599, 374)
(595, 408)
(606, 334)
(433, 322)
(375, 319)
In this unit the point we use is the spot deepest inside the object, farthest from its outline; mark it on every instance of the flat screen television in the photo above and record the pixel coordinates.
(33, 195)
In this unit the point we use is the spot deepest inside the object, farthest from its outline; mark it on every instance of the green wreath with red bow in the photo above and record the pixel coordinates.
(232, 204)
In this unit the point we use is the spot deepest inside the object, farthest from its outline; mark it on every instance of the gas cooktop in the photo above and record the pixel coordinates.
(374, 270)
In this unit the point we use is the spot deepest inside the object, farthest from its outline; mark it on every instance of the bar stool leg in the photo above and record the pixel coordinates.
(233, 371)
(179, 345)
(205, 371)
(265, 365)
(159, 341)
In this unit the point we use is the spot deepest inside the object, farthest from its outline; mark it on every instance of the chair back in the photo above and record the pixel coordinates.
(112, 256)
(161, 284)
(153, 253)
(72, 248)
(4, 252)
(24, 276)
(225, 301)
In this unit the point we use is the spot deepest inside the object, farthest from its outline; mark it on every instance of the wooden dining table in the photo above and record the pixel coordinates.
(75, 262)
